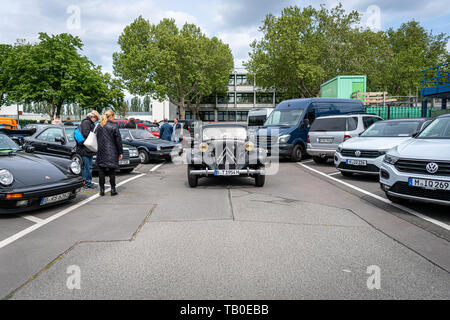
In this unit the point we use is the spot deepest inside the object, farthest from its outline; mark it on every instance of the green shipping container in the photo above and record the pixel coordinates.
(343, 87)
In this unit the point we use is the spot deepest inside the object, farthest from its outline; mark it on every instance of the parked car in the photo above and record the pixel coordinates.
(18, 135)
(59, 141)
(365, 154)
(225, 150)
(29, 182)
(149, 147)
(257, 117)
(288, 125)
(328, 132)
(419, 169)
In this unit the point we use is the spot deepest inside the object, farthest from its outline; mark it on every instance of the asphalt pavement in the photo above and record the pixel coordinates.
(302, 236)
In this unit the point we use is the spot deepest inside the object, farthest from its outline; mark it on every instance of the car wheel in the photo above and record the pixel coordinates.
(298, 153)
(320, 160)
(192, 180)
(395, 199)
(77, 158)
(260, 179)
(143, 155)
(347, 174)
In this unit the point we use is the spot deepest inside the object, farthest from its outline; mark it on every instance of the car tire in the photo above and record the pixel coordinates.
(143, 155)
(298, 153)
(320, 160)
(347, 174)
(77, 158)
(192, 180)
(260, 179)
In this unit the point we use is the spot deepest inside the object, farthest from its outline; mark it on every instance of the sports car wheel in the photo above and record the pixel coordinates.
(143, 155)
(192, 180)
(77, 158)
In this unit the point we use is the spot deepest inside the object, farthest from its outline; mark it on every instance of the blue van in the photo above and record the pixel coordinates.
(290, 122)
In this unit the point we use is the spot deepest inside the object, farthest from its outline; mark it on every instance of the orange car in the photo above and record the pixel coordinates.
(8, 123)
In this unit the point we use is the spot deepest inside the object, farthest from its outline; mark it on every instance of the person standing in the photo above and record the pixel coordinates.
(165, 133)
(176, 130)
(131, 124)
(57, 121)
(86, 127)
(68, 122)
(110, 151)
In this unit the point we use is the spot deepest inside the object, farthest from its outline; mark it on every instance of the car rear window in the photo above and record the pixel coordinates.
(329, 124)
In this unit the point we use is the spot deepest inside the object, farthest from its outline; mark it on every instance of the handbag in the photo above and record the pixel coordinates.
(91, 141)
(78, 136)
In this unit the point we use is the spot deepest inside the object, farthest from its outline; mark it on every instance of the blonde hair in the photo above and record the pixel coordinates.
(107, 116)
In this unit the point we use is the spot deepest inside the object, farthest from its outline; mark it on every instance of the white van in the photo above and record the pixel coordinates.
(257, 117)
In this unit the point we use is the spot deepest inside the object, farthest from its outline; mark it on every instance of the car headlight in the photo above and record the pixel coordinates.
(6, 177)
(75, 167)
(203, 147)
(339, 149)
(284, 139)
(382, 152)
(390, 159)
(249, 146)
(158, 148)
(134, 153)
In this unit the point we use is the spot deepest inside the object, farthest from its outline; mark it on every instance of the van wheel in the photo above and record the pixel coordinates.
(192, 180)
(320, 160)
(298, 153)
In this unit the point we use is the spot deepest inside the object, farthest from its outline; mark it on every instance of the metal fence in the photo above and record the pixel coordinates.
(400, 112)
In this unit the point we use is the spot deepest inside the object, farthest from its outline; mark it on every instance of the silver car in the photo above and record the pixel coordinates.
(365, 154)
(328, 132)
(419, 169)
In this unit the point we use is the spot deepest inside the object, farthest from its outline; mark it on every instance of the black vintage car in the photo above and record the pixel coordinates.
(29, 182)
(59, 141)
(149, 147)
(225, 150)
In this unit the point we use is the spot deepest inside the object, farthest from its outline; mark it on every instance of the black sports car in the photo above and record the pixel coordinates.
(59, 141)
(225, 150)
(150, 147)
(29, 182)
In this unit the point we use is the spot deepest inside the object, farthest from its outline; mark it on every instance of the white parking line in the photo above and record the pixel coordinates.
(31, 218)
(334, 173)
(42, 223)
(399, 206)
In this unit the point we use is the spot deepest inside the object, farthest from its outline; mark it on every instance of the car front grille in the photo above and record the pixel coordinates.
(364, 154)
(126, 154)
(369, 168)
(404, 188)
(167, 148)
(420, 166)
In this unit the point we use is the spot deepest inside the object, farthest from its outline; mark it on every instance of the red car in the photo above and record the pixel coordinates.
(140, 125)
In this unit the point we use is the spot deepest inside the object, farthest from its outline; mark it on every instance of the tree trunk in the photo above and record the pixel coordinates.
(182, 109)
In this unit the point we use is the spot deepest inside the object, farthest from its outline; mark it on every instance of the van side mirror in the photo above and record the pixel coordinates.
(305, 124)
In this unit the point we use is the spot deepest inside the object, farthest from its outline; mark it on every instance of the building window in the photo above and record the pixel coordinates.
(241, 115)
(231, 116)
(221, 115)
(189, 116)
(231, 81)
(245, 97)
(228, 99)
(264, 97)
(206, 115)
(241, 80)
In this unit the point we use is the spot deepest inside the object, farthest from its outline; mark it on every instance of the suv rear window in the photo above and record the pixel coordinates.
(329, 124)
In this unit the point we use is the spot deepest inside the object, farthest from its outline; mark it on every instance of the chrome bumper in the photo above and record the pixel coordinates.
(248, 172)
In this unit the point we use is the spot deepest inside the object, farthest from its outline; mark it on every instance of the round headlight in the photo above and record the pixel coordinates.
(203, 147)
(249, 146)
(6, 177)
(75, 167)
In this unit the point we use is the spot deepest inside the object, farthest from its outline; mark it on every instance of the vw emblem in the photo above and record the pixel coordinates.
(358, 153)
(432, 168)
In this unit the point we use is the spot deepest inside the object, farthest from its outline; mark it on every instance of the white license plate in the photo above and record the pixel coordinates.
(357, 162)
(123, 162)
(226, 173)
(57, 198)
(325, 140)
(429, 184)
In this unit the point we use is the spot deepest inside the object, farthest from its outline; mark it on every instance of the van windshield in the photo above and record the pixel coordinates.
(287, 117)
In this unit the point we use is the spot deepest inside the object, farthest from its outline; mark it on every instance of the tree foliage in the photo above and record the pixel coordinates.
(166, 62)
(302, 48)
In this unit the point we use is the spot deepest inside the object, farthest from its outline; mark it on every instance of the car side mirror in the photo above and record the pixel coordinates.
(29, 149)
(415, 134)
(61, 140)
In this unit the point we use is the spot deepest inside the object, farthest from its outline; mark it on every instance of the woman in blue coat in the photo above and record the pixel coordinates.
(110, 151)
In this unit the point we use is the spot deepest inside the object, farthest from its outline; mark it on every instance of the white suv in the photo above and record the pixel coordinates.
(419, 169)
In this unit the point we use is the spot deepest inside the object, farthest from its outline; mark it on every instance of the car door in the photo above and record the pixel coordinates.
(53, 144)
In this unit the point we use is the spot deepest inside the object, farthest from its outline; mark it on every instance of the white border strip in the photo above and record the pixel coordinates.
(42, 223)
(411, 211)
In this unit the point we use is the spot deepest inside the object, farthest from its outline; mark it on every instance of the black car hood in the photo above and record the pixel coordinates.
(30, 170)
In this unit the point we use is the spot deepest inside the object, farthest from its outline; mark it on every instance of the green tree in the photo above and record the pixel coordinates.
(167, 62)
(147, 104)
(5, 50)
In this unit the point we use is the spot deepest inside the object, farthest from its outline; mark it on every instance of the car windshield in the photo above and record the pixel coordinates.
(438, 129)
(70, 133)
(141, 134)
(6, 144)
(125, 134)
(288, 117)
(392, 129)
(216, 133)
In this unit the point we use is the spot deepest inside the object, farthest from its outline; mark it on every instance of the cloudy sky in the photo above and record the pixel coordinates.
(236, 22)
